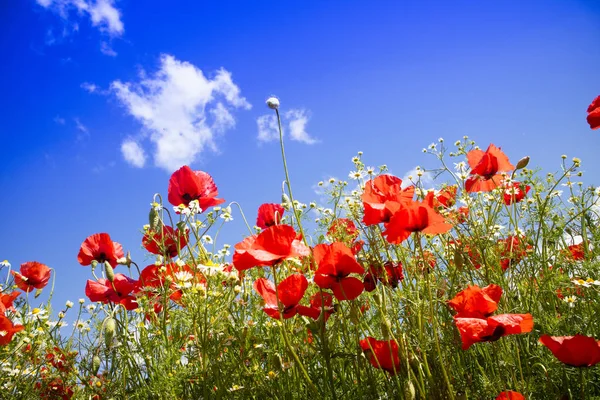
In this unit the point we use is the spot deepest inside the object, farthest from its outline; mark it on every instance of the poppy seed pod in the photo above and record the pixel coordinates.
(273, 103)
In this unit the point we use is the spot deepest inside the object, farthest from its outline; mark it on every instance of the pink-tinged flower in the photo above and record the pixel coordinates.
(576, 351)
(186, 185)
(476, 330)
(593, 111)
(269, 214)
(99, 247)
(116, 292)
(290, 291)
(33, 275)
(167, 240)
(485, 169)
(379, 194)
(382, 354)
(515, 192)
(270, 247)
(8, 329)
(335, 262)
(412, 217)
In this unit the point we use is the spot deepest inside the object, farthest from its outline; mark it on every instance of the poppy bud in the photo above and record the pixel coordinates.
(154, 220)
(95, 365)
(458, 259)
(110, 273)
(273, 103)
(94, 264)
(522, 163)
(110, 327)
(386, 328)
(409, 391)
(37, 293)
(285, 202)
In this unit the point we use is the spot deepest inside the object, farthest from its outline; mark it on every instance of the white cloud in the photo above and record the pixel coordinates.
(181, 109)
(90, 87)
(296, 120)
(107, 50)
(82, 128)
(102, 13)
(267, 128)
(133, 153)
(59, 120)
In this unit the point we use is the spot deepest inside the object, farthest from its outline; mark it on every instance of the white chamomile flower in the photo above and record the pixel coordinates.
(356, 174)
(156, 206)
(69, 304)
(570, 300)
(5, 264)
(207, 239)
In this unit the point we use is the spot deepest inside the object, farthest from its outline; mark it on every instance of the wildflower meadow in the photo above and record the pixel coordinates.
(485, 285)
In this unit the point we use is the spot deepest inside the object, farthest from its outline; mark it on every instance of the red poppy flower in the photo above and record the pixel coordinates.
(167, 241)
(319, 302)
(54, 389)
(290, 292)
(476, 302)
(485, 168)
(510, 395)
(379, 193)
(342, 228)
(443, 198)
(513, 249)
(576, 351)
(117, 292)
(475, 330)
(270, 247)
(382, 354)
(178, 277)
(269, 214)
(33, 275)
(9, 329)
(101, 248)
(412, 217)
(186, 185)
(335, 262)
(6, 301)
(575, 252)
(60, 360)
(390, 274)
(426, 262)
(593, 111)
(515, 192)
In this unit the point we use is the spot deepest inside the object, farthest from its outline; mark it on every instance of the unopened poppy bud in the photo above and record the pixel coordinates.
(522, 163)
(154, 219)
(285, 202)
(110, 273)
(458, 259)
(273, 103)
(409, 391)
(386, 328)
(37, 293)
(95, 365)
(110, 328)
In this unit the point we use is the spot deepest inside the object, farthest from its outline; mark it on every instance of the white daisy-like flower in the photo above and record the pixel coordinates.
(156, 206)
(581, 282)
(69, 304)
(356, 175)
(81, 325)
(37, 313)
(570, 300)
(207, 239)
(5, 264)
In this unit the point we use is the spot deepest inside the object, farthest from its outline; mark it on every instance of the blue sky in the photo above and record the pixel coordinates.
(102, 99)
